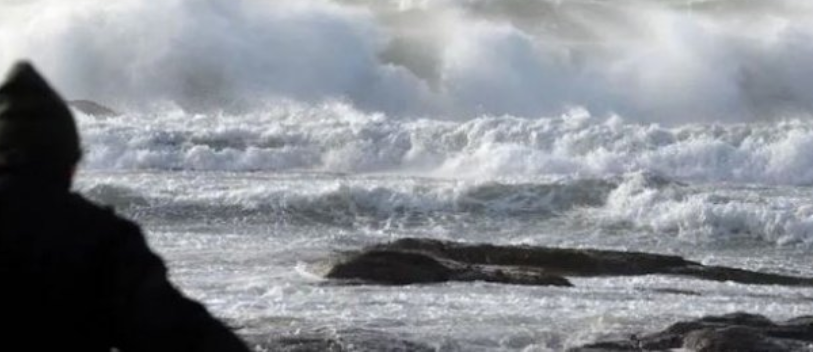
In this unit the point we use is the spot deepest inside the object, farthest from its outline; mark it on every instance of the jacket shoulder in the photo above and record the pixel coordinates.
(102, 216)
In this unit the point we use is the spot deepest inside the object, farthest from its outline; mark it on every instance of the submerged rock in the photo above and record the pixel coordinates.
(730, 332)
(88, 107)
(408, 261)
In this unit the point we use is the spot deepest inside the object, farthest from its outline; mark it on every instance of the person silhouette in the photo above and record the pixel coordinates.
(76, 276)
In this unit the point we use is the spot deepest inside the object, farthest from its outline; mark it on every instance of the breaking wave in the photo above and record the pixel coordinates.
(729, 214)
(407, 203)
(337, 138)
(538, 106)
(652, 61)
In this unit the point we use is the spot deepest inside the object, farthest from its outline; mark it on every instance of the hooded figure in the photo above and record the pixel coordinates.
(76, 276)
(37, 131)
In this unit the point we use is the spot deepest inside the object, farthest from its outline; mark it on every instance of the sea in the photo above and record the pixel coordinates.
(257, 140)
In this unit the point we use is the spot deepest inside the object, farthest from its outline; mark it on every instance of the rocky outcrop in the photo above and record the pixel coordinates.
(88, 107)
(410, 260)
(405, 267)
(392, 267)
(731, 332)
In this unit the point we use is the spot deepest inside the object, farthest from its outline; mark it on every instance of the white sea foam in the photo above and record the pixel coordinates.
(779, 216)
(338, 138)
(323, 200)
(638, 202)
(672, 61)
(501, 166)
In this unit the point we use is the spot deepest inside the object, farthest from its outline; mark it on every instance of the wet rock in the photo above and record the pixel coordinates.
(435, 260)
(720, 273)
(516, 275)
(733, 338)
(88, 107)
(562, 261)
(405, 267)
(730, 332)
(392, 268)
(800, 328)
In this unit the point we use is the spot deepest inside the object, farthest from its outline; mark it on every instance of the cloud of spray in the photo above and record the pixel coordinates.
(666, 61)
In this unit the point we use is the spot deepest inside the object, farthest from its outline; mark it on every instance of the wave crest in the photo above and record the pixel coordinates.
(670, 61)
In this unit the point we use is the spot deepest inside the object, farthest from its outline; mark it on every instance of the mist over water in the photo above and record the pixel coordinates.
(650, 61)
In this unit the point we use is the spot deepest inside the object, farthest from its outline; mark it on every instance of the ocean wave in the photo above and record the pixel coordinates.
(338, 138)
(652, 61)
(414, 203)
(781, 216)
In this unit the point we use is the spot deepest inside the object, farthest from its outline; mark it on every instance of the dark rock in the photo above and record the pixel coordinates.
(393, 268)
(719, 273)
(738, 319)
(493, 263)
(91, 108)
(573, 262)
(800, 328)
(802, 321)
(405, 267)
(730, 332)
(409, 261)
(516, 275)
(733, 338)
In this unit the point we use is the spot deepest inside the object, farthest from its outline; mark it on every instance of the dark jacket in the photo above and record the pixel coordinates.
(75, 276)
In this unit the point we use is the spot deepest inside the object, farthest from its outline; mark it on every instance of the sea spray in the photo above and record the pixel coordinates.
(650, 61)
